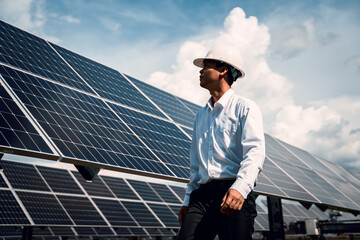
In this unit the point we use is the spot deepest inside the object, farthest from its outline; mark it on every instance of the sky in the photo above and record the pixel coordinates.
(302, 57)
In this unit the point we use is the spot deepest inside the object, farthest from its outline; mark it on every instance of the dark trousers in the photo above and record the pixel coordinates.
(203, 220)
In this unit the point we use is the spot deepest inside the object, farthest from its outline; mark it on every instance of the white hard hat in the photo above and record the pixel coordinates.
(225, 55)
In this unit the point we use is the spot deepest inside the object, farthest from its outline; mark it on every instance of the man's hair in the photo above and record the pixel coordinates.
(232, 73)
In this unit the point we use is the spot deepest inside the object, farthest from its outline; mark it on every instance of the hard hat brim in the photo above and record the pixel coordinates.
(199, 62)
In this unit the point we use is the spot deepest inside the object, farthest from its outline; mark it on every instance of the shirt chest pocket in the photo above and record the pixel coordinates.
(226, 126)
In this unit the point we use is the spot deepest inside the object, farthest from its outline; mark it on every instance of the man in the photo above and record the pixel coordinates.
(227, 153)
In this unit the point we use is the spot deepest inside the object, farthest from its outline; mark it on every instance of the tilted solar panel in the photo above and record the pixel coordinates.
(81, 126)
(170, 104)
(162, 137)
(107, 82)
(16, 131)
(33, 54)
(10, 210)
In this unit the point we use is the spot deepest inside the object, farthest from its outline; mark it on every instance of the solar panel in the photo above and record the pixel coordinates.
(94, 188)
(62, 231)
(107, 82)
(145, 191)
(16, 131)
(180, 191)
(119, 187)
(276, 150)
(82, 126)
(115, 213)
(141, 214)
(170, 104)
(59, 180)
(165, 193)
(278, 178)
(317, 186)
(305, 157)
(162, 137)
(10, 210)
(81, 210)
(165, 215)
(3, 184)
(24, 176)
(33, 54)
(44, 208)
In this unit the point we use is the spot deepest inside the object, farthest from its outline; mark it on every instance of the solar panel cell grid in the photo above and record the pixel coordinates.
(24, 176)
(285, 183)
(141, 214)
(59, 180)
(276, 150)
(10, 210)
(23, 50)
(145, 191)
(95, 188)
(164, 192)
(170, 104)
(107, 82)
(3, 184)
(44, 208)
(89, 131)
(115, 213)
(119, 187)
(82, 211)
(165, 215)
(163, 137)
(15, 129)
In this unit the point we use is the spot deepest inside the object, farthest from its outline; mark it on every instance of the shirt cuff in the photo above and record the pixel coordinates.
(242, 187)
(186, 200)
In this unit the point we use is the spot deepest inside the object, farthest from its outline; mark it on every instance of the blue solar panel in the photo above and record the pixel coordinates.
(165, 194)
(282, 181)
(94, 188)
(28, 52)
(44, 208)
(162, 137)
(317, 186)
(10, 210)
(59, 180)
(141, 214)
(119, 187)
(144, 190)
(16, 131)
(3, 184)
(107, 82)
(170, 104)
(82, 211)
(24, 176)
(82, 126)
(115, 213)
(276, 150)
(165, 214)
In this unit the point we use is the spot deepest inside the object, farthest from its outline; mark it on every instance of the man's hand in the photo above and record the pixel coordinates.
(232, 202)
(182, 214)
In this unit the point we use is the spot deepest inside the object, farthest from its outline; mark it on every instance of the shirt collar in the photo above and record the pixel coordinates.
(223, 101)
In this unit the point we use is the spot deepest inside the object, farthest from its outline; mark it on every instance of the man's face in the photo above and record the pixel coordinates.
(209, 75)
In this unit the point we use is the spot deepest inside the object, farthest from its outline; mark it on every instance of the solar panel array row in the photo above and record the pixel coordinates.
(58, 103)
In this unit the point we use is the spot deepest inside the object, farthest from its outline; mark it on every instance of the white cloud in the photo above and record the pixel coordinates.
(329, 128)
(70, 19)
(292, 40)
(24, 14)
(244, 35)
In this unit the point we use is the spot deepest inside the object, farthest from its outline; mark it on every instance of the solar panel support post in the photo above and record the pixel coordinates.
(276, 221)
(27, 233)
(88, 173)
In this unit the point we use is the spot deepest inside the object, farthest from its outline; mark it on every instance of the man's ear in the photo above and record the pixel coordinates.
(224, 71)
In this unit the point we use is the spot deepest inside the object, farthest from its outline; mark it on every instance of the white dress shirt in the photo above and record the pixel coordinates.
(228, 142)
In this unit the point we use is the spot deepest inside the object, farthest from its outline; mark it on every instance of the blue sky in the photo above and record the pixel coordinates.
(302, 57)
